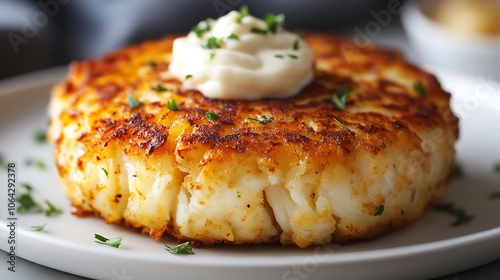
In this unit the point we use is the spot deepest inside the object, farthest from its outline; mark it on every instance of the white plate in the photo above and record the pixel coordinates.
(429, 248)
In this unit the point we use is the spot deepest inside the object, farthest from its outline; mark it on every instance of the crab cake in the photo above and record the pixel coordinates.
(365, 148)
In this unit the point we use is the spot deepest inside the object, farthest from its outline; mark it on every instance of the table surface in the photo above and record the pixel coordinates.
(391, 36)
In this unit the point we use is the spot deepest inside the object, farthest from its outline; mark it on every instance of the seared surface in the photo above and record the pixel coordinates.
(313, 174)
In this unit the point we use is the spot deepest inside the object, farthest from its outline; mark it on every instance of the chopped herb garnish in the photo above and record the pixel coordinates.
(211, 116)
(203, 27)
(172, 105)
(212, 55)
(160, 88)
(183, 248)
(243, 13)
(258, 31)
(344, 126)
(296, 44)
(105, 172)
(379, 210)
(278, 55)
(213, 43)
(495, 195)
(339, 97)
(292, 56)
(274, 22)
(38, 228)
(189, 76)
(41, 137)
(496, 167)
(113, 242)
(52, 210)
(262, 119)
(458, 171)
(3, 162)
(461, 217)
(38, 163)
(420, 89)
(26, 204)
(28, 187)
(133, 102)
(233, 36)
(152, 63)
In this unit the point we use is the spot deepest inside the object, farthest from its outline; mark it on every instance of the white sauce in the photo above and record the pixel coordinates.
(253, 66)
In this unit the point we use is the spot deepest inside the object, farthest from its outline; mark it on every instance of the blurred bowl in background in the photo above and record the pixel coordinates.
(457, 35)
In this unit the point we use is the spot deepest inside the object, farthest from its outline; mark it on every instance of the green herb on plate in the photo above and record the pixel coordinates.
(52, 210)
(41, 137)
(183, 248)
(461, 216)
(113, 242)
(38, 228)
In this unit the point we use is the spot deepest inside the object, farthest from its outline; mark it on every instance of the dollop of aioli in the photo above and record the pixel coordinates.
(239, 57)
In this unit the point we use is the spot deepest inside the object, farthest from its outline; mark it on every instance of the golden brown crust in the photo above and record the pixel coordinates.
(114, 76)
(382, 109)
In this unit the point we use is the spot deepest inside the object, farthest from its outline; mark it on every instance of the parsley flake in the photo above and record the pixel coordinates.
(152, 63)
(233, 36)
(344, 127)
(183, 248)
(28, 187)
(292, 56)
(52, 210)
(203, 27)
(461, 217)
(105, 172)
(420, 89)
(262, 119)
(243, 13)
(26, 204)
(296, 44)
(3, 162)
(495, 195)
(41, 137)
(188, 76)
(38, 228)
(274, 22)
(213, 43)
(160, 88)
(458, 171)
(133, 102)
(113, 242)
(38, 163)
(212, 55)
(278, 56)
(496, 167)
(172, 105)
(256, 30)
(379, 210)
(212, 116)
(339, 97)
